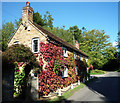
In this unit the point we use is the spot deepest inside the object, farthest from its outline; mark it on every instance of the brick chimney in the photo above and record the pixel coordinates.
(27, 13)
(77, 44)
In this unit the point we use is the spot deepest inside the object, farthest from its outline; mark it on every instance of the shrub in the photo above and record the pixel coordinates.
(19, 53)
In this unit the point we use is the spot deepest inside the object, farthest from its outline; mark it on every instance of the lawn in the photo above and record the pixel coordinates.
(97, 72)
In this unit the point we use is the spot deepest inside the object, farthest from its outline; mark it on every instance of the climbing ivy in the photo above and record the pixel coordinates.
(19, 78)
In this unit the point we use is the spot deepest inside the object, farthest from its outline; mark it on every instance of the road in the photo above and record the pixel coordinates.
(105, 88)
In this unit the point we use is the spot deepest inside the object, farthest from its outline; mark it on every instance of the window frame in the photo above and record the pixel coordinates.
(65, 53)
(76, 69)
(86, 59)
(80, 57)
(36, 38)
(65, 74)
(75, 55)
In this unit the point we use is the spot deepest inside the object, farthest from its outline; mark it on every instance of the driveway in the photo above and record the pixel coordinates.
(105, 88)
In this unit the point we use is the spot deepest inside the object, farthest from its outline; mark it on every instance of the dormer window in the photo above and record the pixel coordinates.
(75, 55)
(35, 45)
(65, 52)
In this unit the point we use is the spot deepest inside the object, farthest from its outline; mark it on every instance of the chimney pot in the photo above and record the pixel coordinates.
(28, 3)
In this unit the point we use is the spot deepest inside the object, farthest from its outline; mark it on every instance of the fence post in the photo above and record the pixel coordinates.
(59, 92)
(78, 82)
(71, 86)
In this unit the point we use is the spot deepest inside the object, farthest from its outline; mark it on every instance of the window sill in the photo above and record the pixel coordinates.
(35, 52)
(65, 56)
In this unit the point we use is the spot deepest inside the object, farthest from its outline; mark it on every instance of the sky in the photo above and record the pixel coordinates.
(91, 15)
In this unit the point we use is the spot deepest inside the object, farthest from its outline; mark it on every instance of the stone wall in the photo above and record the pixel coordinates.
(24, 36)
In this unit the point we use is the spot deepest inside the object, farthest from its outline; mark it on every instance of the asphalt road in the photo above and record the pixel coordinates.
(105, 88)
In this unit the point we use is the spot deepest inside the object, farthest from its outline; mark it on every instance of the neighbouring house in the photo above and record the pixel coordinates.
(30, 34)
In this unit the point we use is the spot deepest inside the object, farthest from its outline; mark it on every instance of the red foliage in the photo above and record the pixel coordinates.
(49, 82)
(50, 78)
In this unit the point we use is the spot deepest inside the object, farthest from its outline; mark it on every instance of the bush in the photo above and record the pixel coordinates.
(19, 53)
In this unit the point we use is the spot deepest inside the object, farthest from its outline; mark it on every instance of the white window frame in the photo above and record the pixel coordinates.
(33, 45)
(80, 57)
(75, 57)
(65, 73)
(86, 59)
(76, 69)
(16, 42)
(65, 53)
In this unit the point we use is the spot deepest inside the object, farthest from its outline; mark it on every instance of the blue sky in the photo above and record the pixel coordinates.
(91, 15)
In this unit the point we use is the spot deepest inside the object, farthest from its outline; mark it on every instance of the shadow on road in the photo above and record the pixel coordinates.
(109, 87)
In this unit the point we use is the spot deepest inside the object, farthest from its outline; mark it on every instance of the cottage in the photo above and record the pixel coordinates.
(31, 35)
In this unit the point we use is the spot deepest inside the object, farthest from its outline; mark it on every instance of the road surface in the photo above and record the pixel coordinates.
(105, 88)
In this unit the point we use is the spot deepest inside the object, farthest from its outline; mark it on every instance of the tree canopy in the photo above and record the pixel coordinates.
(47, 20)
(96, 44)
(7, 31)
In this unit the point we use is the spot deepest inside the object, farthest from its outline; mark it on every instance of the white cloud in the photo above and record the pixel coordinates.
(115, 43)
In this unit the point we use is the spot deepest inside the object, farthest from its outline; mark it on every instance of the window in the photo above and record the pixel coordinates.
(76, 69)
(75, 55)
(65, 73)
(16, 42)
(35, 45)
(65, 52)
(86, 59)
(80, 56)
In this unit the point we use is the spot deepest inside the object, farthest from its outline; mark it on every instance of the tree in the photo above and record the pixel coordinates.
(7, 31)
(119, 41)
(1, 40)
(17, 23)
(61, 33)
(75, 32)
(37, 18)
(95, 43)
(47, 20)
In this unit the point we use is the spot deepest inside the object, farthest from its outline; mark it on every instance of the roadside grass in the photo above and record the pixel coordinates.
(97, 72)
(117, 70)
(70, 92)
(67, 94)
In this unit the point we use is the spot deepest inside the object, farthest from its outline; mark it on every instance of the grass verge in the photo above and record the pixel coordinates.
(97, 72)
(117, 70)
(69, 92)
